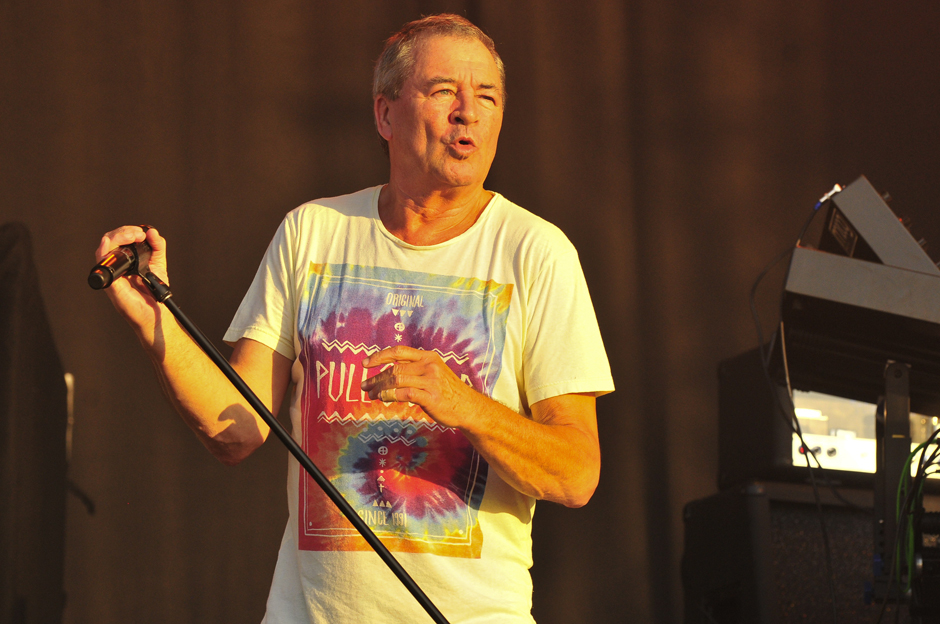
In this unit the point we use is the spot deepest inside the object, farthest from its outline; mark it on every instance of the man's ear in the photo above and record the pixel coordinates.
(383, 122)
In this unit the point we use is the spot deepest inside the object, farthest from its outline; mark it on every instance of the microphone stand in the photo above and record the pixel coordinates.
(161, 293)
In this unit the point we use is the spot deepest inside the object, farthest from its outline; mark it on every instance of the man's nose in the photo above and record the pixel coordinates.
(465, 112)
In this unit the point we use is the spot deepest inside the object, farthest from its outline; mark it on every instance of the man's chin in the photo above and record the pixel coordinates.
(463, 182)
(460, 176)
(465, 172)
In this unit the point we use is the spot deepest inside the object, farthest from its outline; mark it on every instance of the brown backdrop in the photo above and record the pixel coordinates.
(679, 145)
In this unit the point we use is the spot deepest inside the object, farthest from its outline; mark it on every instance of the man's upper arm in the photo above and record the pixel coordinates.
(266, 371)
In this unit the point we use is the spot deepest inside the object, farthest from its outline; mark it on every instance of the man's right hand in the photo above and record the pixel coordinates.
(130, 296)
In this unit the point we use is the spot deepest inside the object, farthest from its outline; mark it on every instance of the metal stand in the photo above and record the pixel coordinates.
(161, 292)
(893, 437)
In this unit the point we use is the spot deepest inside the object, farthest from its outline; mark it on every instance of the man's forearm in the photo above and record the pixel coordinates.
(552, 456)
(206, 400)
(194, 385)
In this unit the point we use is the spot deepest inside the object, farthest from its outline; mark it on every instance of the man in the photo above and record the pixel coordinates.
(444, 351)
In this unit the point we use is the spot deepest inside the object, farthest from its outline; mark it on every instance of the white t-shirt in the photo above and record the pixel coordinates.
(506, 306)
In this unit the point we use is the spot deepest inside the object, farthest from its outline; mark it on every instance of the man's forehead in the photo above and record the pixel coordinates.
(434, 53)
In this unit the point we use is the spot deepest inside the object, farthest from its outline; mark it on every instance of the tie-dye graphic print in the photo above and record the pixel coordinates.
(417, 484)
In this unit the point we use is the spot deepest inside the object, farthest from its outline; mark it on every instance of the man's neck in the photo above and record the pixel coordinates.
(432, 217)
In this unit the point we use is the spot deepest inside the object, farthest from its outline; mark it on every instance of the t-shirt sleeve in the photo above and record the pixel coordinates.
(266, 312)
(564, 353)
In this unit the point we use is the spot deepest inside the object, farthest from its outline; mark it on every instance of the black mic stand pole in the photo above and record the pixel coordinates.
(161, 292)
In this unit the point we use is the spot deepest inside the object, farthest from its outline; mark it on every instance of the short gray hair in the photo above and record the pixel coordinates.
(397, 60)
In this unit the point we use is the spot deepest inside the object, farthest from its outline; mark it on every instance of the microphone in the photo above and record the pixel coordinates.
(118, 262)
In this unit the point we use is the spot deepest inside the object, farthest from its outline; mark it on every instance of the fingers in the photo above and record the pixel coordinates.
(158, 254)
(125, 235)
(157, 243)
(384, 385)
(406, 373)
(394, 354)
(130, 234)
(400, 381)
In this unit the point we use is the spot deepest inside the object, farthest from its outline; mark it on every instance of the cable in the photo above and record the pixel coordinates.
(765, 357)
(812, 476)
(917, 488)
(912, 495)
(788, 412)
(799, 239)
(893, 566)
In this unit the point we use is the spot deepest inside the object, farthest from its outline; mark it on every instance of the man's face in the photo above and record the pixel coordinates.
(443, 128)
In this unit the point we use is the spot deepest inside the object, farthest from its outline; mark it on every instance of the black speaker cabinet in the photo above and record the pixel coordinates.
(755, 555)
